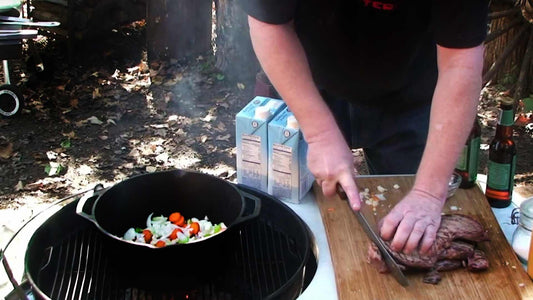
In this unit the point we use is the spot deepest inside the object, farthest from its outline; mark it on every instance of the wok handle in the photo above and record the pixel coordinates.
(256, 210)
(81, 205)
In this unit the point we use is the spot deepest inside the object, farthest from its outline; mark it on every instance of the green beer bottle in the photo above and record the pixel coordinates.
(468, 162)
(502, 158)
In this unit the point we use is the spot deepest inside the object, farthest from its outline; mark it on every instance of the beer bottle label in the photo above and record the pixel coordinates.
(462, 162)
(506, 117)
(501, 176)
(473, 158)
(469, 159)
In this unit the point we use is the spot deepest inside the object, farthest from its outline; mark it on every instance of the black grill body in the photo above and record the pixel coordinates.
(269, 257)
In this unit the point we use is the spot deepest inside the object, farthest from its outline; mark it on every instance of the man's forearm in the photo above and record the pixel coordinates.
(283, 59)
(452, 113)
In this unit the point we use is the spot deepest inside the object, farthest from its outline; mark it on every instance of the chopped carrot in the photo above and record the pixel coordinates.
(174, 217)
(160, 244)
(195, 227)
(147, 235)
(177, 219)
(174, 234)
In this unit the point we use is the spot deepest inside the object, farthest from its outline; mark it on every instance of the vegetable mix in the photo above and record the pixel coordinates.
(161, 231)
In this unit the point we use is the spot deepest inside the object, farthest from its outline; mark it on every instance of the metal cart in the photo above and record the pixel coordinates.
(13, 29)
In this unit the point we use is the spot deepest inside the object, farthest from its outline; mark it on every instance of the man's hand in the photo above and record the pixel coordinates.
(330, 160)
(413, 222)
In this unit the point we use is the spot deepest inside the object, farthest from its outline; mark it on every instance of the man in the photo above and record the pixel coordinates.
(384, 76)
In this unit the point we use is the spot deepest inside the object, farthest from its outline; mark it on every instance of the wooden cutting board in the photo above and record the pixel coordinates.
(356, 279)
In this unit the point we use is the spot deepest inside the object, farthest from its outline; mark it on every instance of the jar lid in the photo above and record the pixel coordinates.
(526, 213)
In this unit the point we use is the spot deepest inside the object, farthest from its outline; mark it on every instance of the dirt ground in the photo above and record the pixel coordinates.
(103, 114)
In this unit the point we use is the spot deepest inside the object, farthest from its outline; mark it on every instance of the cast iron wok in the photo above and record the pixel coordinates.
(193, 194)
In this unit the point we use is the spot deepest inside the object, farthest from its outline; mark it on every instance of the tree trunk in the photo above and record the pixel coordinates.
(503, 29)
(234, 52)
(178, 29)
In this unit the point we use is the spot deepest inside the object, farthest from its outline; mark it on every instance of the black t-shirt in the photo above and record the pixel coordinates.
(365, 49)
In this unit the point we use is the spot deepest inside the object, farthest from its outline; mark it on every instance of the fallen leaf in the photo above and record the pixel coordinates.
(162, 158)
(241, 86)
(203, 138)
(53, 168)
(19, 186)
(151, 169)
(84, 170)
(143, 67)
(208, 118)
(159, 126)
(94, 120)
(33, 186)
(69, 135)
(224, 137)
(221, 126)
(51, 155)
(189, 142)
(133, 69)
(172, 119)
(74, 102)
(6, 151)
(96, 93)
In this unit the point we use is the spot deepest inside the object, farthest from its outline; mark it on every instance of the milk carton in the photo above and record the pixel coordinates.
(252, 140)
(289, 179)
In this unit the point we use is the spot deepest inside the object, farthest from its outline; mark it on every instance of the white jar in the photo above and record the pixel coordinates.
(522, 235)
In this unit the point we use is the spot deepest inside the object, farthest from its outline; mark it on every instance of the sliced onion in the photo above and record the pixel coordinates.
(130, 235)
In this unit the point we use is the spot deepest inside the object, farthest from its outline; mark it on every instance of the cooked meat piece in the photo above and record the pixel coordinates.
(478, 262)
(432, 277)
(454, 227)
(448, 265)
(457, 250)
(450, 251)
(413, 260)
(374, 258)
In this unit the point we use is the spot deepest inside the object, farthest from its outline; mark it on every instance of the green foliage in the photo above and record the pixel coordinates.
(66, 144)
(53, 169)
(508, 79)
(528, 103)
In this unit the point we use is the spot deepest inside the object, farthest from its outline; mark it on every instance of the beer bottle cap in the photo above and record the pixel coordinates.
(262, 112)
(292, 122)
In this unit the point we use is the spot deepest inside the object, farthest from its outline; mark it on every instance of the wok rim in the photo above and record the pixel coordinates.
(128, 180)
